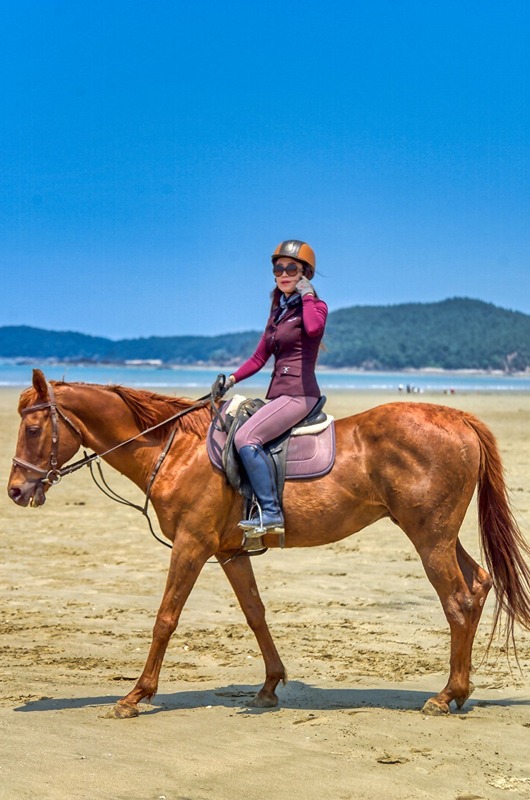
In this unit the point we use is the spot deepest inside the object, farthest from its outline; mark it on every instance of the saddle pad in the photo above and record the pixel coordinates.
(309, 455)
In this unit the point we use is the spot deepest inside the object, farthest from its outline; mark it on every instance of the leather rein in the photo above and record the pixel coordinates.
(53, 474)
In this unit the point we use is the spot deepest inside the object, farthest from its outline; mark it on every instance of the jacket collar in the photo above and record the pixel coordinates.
(286, 304)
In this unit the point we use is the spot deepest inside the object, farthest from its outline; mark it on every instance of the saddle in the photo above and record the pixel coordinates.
(305, 451)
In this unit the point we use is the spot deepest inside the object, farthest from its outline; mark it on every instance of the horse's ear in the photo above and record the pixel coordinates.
(40, 385)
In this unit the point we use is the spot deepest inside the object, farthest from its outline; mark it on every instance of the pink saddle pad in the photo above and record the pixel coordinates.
(310, 455)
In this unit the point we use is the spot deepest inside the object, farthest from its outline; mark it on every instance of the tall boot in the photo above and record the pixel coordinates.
(261, 475)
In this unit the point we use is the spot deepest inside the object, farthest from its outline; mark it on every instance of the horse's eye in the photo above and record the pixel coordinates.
(33, 431)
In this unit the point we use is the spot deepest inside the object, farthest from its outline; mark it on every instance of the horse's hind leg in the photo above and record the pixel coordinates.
(462, 586)
(241, 576)
(478, 582)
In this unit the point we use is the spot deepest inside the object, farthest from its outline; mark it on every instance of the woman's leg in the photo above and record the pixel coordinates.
(266, 424)
(273, 419)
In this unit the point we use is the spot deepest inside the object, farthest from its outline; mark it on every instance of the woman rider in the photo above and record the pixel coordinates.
(293, 334)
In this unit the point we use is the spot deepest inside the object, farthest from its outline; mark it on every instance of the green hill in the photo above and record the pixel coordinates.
(453, 334)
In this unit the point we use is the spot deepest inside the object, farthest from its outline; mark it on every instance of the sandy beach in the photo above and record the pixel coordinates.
(357, 624)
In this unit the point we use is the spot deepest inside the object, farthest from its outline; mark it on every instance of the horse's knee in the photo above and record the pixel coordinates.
(164, 627)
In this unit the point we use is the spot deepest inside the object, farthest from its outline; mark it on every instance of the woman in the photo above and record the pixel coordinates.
(293, 334)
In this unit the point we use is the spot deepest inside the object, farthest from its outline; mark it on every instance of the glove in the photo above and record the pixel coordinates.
(304, 287)
(228, 385)
(219, 389)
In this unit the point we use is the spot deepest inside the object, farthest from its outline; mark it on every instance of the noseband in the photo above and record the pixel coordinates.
(53, 474)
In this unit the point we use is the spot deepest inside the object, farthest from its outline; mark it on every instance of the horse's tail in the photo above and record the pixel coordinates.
(502, 542)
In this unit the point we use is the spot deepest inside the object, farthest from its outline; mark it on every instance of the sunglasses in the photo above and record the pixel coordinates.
(291, 270)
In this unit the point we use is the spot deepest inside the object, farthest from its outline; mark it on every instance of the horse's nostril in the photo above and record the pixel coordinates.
(14, 493)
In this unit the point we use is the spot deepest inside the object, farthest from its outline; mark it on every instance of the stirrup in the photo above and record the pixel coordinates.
(253, 538)
(255, 526)
(258, 528)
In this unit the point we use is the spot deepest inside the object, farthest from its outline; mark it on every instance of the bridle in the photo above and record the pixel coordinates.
(52, 474)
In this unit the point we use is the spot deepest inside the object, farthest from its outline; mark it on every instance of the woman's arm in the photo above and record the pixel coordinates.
(314, 314)
(254, 363)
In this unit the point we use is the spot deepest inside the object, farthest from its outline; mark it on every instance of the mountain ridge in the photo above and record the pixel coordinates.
(456, 333)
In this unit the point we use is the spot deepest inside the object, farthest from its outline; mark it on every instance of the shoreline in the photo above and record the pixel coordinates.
(201, 366)
(198, 379)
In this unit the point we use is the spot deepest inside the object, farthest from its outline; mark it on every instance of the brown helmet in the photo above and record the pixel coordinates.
(294, 248)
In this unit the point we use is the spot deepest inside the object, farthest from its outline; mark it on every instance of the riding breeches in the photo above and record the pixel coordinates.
(273, 419)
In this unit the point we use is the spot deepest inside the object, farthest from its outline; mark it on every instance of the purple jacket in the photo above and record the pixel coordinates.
(294, 341)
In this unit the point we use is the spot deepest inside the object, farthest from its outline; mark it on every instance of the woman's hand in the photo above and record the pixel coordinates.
(304, 287)
(220, 390)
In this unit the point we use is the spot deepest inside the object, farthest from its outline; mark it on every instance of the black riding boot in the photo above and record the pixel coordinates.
(262, 476)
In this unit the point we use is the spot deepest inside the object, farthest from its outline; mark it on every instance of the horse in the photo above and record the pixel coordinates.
(416, 463)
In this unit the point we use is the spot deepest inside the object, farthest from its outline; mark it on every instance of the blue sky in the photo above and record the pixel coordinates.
(155, 153)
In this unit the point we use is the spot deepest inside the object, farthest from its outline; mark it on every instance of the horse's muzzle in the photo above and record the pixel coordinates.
(28, 493)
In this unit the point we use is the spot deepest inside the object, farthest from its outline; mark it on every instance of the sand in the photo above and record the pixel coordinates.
(357, 624)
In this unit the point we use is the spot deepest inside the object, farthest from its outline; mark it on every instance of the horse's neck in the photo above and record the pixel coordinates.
(104, 422)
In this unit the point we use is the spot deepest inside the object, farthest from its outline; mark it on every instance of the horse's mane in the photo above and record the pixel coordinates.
(147, 408)
(150, 408)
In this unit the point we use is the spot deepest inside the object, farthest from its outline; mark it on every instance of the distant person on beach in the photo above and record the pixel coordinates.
(292, 335)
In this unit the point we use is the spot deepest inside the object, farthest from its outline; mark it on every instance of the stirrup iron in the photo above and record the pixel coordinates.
(254, 525)
(255, 530)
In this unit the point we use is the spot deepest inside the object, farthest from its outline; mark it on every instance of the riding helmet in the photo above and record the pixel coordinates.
(294, 248)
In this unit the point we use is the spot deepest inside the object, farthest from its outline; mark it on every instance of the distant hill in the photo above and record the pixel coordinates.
(453, 334)
(458, 333)
(26, 342)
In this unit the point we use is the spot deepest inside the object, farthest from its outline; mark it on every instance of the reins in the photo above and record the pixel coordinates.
(54, 474)
(109, 492)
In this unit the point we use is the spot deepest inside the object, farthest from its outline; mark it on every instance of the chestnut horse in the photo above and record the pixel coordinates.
(416, 463)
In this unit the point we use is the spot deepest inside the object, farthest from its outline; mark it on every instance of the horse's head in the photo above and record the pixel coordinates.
(47, 438)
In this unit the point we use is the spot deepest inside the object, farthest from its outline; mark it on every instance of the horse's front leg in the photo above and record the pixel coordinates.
(188, 556)
(241, 576)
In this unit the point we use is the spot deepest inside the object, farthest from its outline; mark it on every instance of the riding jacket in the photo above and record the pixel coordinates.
(292, 335)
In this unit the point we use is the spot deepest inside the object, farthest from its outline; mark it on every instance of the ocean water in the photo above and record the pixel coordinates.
(197, 379)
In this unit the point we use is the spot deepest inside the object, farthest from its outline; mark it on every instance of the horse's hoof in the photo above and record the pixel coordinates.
(263, 701)
(124, 711)
(434, 708)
